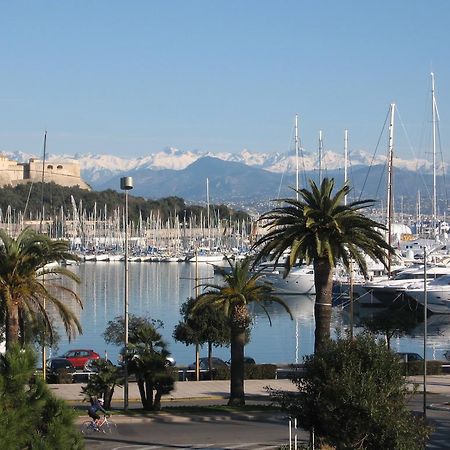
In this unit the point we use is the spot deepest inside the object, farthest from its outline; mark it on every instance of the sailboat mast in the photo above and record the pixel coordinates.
(345, 161)
(389, 187)
(207, 212)
(320, 156)
(433, 118)
(42, 182)
(297, 186)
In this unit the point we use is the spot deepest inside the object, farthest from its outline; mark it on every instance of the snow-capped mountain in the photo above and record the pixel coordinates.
(245, 177)
(97, 167)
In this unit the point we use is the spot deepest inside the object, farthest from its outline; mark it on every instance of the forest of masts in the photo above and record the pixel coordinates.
(99, 230)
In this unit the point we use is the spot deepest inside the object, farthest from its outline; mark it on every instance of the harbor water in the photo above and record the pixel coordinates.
(157, 290)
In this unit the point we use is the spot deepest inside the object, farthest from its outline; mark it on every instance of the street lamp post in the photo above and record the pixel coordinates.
(126, 183)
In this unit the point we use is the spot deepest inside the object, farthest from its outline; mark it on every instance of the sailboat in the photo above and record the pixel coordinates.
(300, 279)
(204, 253)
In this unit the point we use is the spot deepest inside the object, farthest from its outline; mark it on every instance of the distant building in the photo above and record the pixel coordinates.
(65, 173)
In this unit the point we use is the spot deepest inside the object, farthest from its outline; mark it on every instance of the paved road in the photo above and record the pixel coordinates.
(261, 431)
(243, 431)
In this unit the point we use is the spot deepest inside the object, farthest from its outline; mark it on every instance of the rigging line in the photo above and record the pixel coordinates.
(373, 156)
(31, 185)
(414, 154)
(442, 164)
(286, 166)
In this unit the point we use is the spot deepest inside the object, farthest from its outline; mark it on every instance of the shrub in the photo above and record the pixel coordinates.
(353, 394)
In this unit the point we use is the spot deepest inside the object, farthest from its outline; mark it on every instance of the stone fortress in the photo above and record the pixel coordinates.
(66, 173)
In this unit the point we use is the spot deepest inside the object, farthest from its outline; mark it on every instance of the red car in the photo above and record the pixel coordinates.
(79, 357)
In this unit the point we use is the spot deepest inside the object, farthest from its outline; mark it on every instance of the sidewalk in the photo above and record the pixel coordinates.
(219, 389)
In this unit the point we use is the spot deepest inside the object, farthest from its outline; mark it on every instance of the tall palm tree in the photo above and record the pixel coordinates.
(240, 288)
(319, 229)
(28, 282)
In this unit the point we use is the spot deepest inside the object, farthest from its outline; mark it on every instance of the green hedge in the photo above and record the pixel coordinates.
(416, 368)
(251, 372)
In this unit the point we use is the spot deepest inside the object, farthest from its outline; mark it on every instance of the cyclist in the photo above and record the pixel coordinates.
(96, 405)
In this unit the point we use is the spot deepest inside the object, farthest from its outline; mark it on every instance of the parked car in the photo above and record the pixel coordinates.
(80, 357)
(215, 362)
(408, 357)
(59, 369)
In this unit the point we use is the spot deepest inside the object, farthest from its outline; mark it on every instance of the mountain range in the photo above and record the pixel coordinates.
(243, 178)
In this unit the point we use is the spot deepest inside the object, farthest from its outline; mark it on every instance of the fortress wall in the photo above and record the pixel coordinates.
(10, 171)
(62, 173)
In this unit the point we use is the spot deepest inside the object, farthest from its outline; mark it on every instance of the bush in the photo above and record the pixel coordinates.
(353, 394)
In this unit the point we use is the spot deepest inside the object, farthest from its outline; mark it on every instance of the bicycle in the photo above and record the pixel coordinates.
(106, 426)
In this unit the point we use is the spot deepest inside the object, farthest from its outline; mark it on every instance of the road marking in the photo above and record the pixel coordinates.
(249, 445)
(137, 447)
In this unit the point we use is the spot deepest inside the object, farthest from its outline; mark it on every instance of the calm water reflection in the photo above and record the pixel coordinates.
(158, 290)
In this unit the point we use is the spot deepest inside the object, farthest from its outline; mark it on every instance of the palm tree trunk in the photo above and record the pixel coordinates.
(211, 373)
(323, 280)
(13, 325)
(237, 395)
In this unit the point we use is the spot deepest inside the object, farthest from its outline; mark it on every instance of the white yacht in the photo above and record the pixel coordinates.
(300, 280)
(438, 293)
(393, 289)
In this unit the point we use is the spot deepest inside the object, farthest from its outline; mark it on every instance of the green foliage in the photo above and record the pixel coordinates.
(27, 282)
(354, 395)
(241, 287)
(393, 322)
(102, 383)
(115, 330)
(318, 227)
(146, 357)
(30, 416)
(203, 325)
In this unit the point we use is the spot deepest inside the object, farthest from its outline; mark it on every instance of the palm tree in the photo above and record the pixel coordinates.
(28, 282)
(240, 288)
(319, 228)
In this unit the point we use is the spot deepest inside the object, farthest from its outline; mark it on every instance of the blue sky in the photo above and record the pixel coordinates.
(130, 78)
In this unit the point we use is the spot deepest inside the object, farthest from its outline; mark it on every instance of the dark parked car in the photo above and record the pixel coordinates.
(80, 357)
(215, 362)
(409, 357)
(247, 360)
(59, 370)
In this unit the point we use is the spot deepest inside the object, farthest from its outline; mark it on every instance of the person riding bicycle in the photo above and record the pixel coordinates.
(96, 405)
